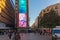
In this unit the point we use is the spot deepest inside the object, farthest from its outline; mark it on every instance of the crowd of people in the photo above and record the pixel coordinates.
(15, 34)
(44, 32)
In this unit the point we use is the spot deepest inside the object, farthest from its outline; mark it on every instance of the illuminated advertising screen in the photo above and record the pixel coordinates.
(22, 13)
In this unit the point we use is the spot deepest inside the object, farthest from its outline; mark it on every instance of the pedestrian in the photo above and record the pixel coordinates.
(18, 36)
(44, 32)
(40, 32)
(10, 34)
(14, 38)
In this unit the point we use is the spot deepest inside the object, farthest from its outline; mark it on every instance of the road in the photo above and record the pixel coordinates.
(34, 36)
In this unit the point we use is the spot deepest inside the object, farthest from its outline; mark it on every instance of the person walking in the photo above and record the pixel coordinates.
(14, 37)
(10, 34)
(18, 36)
(40, 32)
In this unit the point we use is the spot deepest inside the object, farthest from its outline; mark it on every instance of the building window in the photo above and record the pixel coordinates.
(56, 7)
(47, 9)
(43, 10)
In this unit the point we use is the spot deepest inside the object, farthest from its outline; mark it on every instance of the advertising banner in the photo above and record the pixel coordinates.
(22, 13)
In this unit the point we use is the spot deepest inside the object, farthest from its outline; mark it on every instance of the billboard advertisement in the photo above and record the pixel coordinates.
(22, 13)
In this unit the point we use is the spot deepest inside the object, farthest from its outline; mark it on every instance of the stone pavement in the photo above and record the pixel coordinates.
(34, 36)
(5, 37)
(28, 36)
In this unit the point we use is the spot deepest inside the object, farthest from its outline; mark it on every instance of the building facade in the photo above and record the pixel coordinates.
(7, 13)
(33, 26)
(55, 7)
(17, 15)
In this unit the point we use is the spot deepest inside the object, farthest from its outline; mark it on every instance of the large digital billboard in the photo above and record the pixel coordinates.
(22, 13)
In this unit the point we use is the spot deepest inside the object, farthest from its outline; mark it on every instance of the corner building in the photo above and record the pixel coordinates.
(17, 15)
(7, 13)
(55, 7)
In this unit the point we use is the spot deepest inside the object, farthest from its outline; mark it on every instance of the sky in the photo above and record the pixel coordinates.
(35, 7)
(13, 1)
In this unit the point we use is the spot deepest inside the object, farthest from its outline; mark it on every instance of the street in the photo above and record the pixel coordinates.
(28, 36)
(34, 36)
(29, 20)
(4, 37)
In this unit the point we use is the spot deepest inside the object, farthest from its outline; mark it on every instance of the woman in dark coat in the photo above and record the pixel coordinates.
(18, 36)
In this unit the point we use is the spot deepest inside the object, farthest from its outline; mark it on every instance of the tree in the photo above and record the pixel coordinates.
(50, 20)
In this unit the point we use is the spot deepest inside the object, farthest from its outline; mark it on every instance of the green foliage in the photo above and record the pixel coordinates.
(50, 20)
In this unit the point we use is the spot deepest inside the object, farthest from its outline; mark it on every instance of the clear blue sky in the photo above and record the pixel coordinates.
(35, 7)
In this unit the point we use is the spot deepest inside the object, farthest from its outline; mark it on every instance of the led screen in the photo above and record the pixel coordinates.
(22, 13)
(22, 6)
(22, 20)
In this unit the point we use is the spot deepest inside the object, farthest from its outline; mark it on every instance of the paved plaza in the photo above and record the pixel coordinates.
(28, 36)
(34, 36)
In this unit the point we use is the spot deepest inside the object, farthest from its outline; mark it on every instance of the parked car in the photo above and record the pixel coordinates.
(55, 33)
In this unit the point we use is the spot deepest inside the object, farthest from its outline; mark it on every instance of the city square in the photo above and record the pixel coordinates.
(29, 19)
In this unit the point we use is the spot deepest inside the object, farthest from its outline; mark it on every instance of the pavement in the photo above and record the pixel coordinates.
(5, 37)
(34, 36)
(28, 36)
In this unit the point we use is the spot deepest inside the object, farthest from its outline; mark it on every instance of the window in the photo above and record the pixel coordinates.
(43, 10)
(47, 9)
(56, 7)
